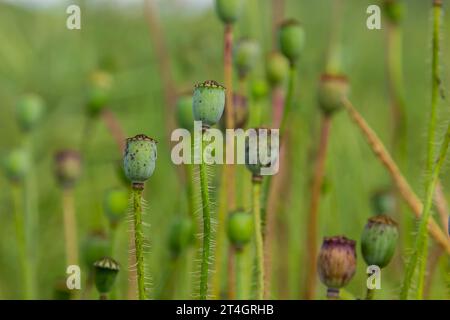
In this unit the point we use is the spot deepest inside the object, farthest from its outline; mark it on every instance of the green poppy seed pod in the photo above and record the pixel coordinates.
(277, 69)
(181, 236)
(291, 37)
(29, 111)
(94, 247)
(337, 261)
(240, 228)
(184, 114)
(259, 89)
(245, 56)
(17, 165)
(115, 204)
(241, 112)
(228, 10)
(208, 102)
(106, 270)
(394, 10)
(332, 90)
(140, 158)
(378, 240)
(259, 155)
(67, 167)
(383, 202)
(99, 91)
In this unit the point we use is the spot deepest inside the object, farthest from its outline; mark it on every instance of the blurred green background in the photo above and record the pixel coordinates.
(39, 54)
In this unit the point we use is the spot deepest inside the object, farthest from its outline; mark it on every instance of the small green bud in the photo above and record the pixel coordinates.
(259, 149)
(383, 202)
(241, 112)
(378, 241)
(394, 10)
(228, 10)
(185, 115)
(17, 165)
(240, 228)
(115, 204)
(181, 236)
(208, 102)
(29, 111)
(94, 247)
(337, 261)
(106, 270)
(67, 167)
(140, 158)
(246, 52)
(259, 89)
(291, 39)
(99, 91)
(277, 69)
(332, 90)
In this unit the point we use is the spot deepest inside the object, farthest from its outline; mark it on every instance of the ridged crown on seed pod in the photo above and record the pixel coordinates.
(291, 37)
(208, 102)
(140, 157)
(333, 88)
(106, 270)
(379, 240)
(228, 11)
(277, 69)
(68, 167)
(240, 228)
(181, 235)
(337, 261)
(29, 111)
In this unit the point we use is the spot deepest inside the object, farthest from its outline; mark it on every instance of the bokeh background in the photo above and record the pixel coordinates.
(38, 54)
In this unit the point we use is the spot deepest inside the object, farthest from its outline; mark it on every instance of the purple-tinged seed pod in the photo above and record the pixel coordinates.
(68, 167)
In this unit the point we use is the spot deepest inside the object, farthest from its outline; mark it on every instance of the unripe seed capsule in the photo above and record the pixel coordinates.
(208, 102)
(115, 204)
(17, 165)
(378, 240)
(291, 39)
(383, 202)
(394, 10)
(95, 246)
(277, 69)
(228, 10)
(246, 52)
(99, 91)
(332, 90)
(185, 115)
(181, 236)
(67, 167)
(106, 270)
(240, 228)
(259, 89)
(29, 111)
(140, 158)
(337, 261)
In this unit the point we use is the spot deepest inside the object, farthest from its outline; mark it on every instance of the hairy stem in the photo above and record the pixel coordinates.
(313, 218)
(139, 241)
(402, 185)
(70, 227)
(256, 194)
(204, 186)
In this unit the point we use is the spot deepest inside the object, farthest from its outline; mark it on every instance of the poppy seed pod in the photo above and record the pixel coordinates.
(383, 202)
(240, 228)
(378, 241)
(185, 116)
(245, 56)
(94, 247)
(337, 261)
(259, 150)
(29, 111)
(291, 37)
(67, 167)
(181, 236)
(332, 90)
(115, 204)
(140, 158)
(99, 91)
(106, 270)
(277, 69)
(259, 89)
(17, 165)
(394, 10)
(228, 10)
(241, 112)
(208, 102)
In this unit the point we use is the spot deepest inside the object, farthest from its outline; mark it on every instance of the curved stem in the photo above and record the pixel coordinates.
(206, 227)
(139, 242)
(313, 219)
(70, 227)
(256, 192)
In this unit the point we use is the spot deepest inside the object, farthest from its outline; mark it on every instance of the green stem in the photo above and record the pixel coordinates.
(139, 242)
(206, 226)
(239, 272)
(256, 192)
(370, 294)
(289, 99)
(420, 247)
(21, 241)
